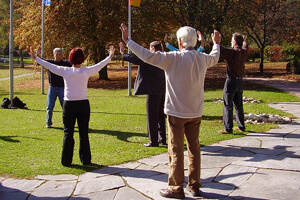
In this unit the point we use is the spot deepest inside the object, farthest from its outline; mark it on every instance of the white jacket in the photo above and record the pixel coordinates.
(75, 79)
(185, 74)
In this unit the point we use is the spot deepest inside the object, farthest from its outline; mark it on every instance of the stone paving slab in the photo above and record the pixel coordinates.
(61, 190)
(270, 162)
(266, 151)
(213, 148)
(242, 142)
(270, 184)
(216, 190)
(285, 106)
(126, 193)
(61, 177)
(102, 195)
(208, 175)
(20, 184)
(149, 186)
(280, 144)
(235, 175)
(99, 184)
(216, 160)
(102, 172)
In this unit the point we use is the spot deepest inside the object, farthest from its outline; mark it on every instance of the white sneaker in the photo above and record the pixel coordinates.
(48, 126)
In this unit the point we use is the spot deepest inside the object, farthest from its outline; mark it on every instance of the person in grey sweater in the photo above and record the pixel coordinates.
(185, 74)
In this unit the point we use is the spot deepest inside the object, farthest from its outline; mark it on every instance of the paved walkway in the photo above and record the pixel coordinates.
(17, 76)
(258, 166)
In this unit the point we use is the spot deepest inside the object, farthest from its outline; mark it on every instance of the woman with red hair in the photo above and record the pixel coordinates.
(76, 104)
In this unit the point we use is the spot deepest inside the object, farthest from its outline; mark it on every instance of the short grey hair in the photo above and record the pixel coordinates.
(56, 50)
(188, 36)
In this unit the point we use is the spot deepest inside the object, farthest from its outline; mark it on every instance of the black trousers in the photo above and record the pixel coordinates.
(233, 96)
(72, 111)
(156, 119)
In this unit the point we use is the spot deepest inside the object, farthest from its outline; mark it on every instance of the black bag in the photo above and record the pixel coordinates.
(5, 103)
(18, 103)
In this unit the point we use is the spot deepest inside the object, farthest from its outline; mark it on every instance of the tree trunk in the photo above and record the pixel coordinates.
(21, 57)
(261, 64)
(103, 72)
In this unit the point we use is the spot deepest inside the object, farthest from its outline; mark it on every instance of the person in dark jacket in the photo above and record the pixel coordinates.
(233, 89)
(150, 80)
(56, 85)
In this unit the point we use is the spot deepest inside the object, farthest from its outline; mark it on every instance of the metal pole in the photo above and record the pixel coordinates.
(129, 51)
(42, 68)
(11, 54)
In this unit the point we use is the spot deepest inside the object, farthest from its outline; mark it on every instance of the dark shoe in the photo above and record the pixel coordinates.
(169, 194)
(67, 164)
(195, 192)
(224, 132)
(86, 163)
(151, 145)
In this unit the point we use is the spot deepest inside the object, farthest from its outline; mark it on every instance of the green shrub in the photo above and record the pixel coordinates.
(274, 53)
(290, 51)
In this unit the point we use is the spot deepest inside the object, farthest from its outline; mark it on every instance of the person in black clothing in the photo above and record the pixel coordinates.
(150, 80)
(233, 89)
(56, 85)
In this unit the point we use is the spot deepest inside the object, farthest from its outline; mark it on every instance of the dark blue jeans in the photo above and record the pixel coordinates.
(53, 94)
(233, 96)
(72, 111)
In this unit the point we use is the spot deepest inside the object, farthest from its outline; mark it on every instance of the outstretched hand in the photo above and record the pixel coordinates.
(166, 38)
(111, 51)
(121, 45)
(216, 37)
(200, 36)
(124, 31)
(33, 56)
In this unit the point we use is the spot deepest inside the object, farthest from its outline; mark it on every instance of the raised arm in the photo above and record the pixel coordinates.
(130, 58)
(59, 70)
(97, 67)
(245, 44)
(168, 45)
(202, 39)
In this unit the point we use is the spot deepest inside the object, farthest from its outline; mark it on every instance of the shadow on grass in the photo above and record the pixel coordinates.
(11, 138)
(90, 167)
(120, 135)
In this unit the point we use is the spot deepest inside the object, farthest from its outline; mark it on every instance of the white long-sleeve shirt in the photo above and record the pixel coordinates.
(185, 74)
(75, 79)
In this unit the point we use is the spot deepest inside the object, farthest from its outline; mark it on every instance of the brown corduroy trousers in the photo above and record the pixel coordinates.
(178, 129)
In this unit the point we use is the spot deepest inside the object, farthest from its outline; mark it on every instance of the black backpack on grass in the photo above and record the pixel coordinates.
(18, 103)
(5, 103)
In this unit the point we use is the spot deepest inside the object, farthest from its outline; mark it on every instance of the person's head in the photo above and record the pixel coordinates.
(237, 40)
(57, 53)
(156, 46)
(76, 56)
(187, 37)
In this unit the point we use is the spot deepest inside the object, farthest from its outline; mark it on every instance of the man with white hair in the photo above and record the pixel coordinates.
(185, 73)
(56, 85)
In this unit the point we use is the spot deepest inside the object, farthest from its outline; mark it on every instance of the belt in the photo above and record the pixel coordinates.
(234, 77)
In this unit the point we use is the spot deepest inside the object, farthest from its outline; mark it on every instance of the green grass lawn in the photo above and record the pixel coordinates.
(17, 70)
(118, 129)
